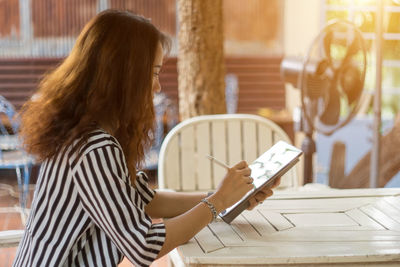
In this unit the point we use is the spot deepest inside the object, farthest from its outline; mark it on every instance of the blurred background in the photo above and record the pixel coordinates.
(36, 35)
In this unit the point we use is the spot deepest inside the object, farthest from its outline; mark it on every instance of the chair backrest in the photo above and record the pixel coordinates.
(10, 238)
(183, 165)
(7, 110)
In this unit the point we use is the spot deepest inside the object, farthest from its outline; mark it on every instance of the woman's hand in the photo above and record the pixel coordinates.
(233, 187)
(263, 194)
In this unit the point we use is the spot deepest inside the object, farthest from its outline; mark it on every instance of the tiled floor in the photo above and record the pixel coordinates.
(10, 219)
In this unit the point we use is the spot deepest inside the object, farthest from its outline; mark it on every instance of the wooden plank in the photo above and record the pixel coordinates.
(204, 176)
(371, 193)
(276, 219)
(259, 222)
(279, 254)
(18, 76)
(381, 217)
(208, 241)
(250, 142)
(337, 165)
(254, 60)
(245, 230)
(321, 235)
(388, 209)
(225, 233)
(10, 93)
(32, 61)
(266, 78)
(218, 143)
(336, 228)
(320, 219)
(28, 68)
(234, 142)
(172, 165)
(183, 254)
(187, 159)
(363, 219)
(315, 205)
(394, 201)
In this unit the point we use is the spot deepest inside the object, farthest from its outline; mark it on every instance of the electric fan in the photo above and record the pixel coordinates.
(331, 79)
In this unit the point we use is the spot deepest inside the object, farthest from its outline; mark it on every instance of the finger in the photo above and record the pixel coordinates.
(245, 171)
(252, 204)
(241, 165)
(249, 187)
(249, 180)
(260, 197)
(267, 191)
(276, 183)
(263, 194)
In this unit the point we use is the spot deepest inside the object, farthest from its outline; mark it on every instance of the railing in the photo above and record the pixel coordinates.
(259, 79)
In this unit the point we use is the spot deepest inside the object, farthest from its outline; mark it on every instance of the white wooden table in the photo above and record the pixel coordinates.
(318, 228)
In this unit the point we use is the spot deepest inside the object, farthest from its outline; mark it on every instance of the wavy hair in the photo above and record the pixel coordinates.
(105, 81)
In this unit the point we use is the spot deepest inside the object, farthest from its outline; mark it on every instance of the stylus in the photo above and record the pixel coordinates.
(220, 163)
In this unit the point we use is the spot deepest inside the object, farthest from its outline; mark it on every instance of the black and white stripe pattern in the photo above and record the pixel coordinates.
(86, 213)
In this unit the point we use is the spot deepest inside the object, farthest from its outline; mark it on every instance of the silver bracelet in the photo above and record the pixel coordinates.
(212, 208)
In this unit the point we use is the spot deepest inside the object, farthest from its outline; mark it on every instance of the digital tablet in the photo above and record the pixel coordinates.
(275, 162)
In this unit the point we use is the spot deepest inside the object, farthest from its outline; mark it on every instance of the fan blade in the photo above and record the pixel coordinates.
(331, 113)
(327, 44)
(316, 79)
(351, 82)
(351, 51)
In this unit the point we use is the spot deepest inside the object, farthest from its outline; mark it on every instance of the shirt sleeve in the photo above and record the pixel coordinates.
(142, 186)
(116, 207)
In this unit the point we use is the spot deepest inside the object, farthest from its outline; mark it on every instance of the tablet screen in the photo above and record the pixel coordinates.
(272, 161)
(266, 167)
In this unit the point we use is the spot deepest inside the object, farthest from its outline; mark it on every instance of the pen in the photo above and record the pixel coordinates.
(220, 163)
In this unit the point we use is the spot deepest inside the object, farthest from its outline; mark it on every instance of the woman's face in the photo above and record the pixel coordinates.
(156, 68)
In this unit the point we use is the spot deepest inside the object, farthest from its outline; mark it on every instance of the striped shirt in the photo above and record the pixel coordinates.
(85, 211)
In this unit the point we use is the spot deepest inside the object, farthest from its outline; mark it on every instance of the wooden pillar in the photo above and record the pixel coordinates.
(201, 67)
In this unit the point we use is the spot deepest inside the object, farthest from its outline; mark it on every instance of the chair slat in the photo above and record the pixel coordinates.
(218, 141)
(204, 164)
(250, 150)
(234, 142)
(287, 179)
(188, 159)
(171, 165)
(264, 138)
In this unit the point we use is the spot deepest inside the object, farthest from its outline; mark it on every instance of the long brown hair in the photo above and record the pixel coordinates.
(106, 80)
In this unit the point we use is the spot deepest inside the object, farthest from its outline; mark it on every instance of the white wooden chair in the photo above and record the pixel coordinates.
(183, 165)
(10, 238)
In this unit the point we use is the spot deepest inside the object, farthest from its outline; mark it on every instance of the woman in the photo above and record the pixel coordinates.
(90, 126)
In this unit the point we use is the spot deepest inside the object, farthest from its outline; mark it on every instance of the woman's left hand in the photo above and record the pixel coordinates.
(263, 194)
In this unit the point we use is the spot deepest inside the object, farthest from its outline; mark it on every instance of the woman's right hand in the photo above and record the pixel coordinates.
(236, 183)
